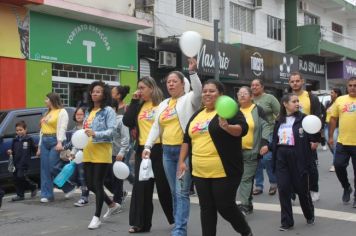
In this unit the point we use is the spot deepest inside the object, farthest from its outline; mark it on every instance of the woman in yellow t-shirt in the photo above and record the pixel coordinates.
(140, 116)
(99, 124)
(215, 144)
(53, 133)
(256, 137)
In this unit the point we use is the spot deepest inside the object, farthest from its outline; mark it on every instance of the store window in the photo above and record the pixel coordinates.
(241, 18)
(274, 28)
(336, 28)
(198, 9)
(310, 19)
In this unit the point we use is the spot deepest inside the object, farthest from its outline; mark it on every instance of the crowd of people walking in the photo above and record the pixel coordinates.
(186, 140)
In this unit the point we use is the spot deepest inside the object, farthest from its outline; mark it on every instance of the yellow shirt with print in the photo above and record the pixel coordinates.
(172, 131)
(96, 152)
(49, 122)
(304, 103)
(247, 140)
(206, 161)
(345, 109)
(145, 121)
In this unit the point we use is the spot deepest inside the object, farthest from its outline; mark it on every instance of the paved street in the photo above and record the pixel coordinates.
(62, 218)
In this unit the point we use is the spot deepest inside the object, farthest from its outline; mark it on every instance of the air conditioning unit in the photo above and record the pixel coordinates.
(167, 59)
(303, 6)
(257, 4)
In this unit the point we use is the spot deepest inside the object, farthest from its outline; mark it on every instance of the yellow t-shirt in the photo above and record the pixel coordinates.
(328, 113)
(205, 158)
(49, 122)
(304, 103)
(345, 109)
(172, 131)
(96, 152)
(247, 140)
(145, 121)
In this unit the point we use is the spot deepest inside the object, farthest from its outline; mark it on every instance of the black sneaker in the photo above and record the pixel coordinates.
(311, 221)
(346, 195)
(17, 198)
(285, 227)
(354, 204)
(246, 209)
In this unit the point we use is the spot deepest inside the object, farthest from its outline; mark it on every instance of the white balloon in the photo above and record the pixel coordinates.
(190, 43)
(311, 124)
(78, 157)
(121, 170)
(80, 139)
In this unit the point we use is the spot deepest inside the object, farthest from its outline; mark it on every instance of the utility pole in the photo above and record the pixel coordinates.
(216, 50)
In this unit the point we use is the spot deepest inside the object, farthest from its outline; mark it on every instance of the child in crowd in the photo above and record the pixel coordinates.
(22, 148)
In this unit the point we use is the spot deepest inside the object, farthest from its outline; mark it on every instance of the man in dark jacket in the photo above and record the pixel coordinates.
(310, 105)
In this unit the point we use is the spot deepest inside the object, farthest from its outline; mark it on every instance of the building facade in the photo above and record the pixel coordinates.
(62, 46)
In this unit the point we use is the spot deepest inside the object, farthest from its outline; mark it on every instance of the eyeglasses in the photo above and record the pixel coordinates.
(243, 94)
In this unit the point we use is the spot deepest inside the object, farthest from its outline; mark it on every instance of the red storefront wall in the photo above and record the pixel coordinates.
(12, 83)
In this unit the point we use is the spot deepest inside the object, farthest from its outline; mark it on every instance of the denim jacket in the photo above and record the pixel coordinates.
(103, 125)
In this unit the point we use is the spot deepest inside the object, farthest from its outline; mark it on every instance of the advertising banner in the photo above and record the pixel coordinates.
(342, 69)
(69, 41)
(228, 60)
(14, 30)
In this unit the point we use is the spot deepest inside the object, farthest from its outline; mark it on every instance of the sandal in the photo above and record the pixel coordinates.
(272, 190)
(135, 229)
(257, 191)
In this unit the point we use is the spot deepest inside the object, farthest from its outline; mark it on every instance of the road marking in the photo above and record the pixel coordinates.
(323, 213)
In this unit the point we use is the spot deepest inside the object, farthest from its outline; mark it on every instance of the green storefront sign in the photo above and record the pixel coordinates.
(69, 41)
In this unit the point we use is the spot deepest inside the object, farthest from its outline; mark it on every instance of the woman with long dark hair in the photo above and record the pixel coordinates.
(291, 147)
(53, 132)
(335, 93)
(215, 144)
(140, 116)
(99, 124)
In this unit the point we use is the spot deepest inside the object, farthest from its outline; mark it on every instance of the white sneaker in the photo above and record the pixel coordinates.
(112, 211)
(332, 169)
(94, 223)
(44, 200)
(70, 193)
(324, 148)
(315, 196)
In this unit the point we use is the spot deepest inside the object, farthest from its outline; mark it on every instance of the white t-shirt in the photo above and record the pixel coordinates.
(285, 132)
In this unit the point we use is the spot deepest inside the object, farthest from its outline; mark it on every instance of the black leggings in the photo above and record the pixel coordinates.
(94, 177)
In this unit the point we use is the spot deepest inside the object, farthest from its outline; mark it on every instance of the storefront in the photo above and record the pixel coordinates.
(339, 72)
(313, 71)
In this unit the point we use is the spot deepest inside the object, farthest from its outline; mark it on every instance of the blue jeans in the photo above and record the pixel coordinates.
(265, 163)
(49, 159)
(335, 136)
(179, 188)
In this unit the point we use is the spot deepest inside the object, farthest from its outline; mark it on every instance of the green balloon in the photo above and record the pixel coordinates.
(226, 107)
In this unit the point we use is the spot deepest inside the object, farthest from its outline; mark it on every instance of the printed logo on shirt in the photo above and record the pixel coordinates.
(201, 127)
(349, 107)
(169, 113)
(285, 134)
(147, 115)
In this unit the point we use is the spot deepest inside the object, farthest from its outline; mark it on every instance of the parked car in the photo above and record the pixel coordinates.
(32, 116)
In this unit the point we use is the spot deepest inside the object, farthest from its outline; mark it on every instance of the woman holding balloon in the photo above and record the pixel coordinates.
(99, 124)
(291, 149)
(140, 116)
(170, 122)
(256, 139)
(215, 144)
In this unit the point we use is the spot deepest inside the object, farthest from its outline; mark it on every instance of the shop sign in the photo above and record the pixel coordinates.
(349, 68)
(228, 60)
(267, 65)
(74, 42)
(342, 69)
(312, 67)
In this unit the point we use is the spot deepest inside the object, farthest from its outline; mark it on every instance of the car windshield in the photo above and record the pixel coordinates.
(2, 116)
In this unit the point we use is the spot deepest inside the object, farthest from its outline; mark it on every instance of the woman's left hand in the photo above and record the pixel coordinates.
(59, 147)
(90, 133)
(223, 123)
(314, 146)
(263, 150)
(193, 67)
